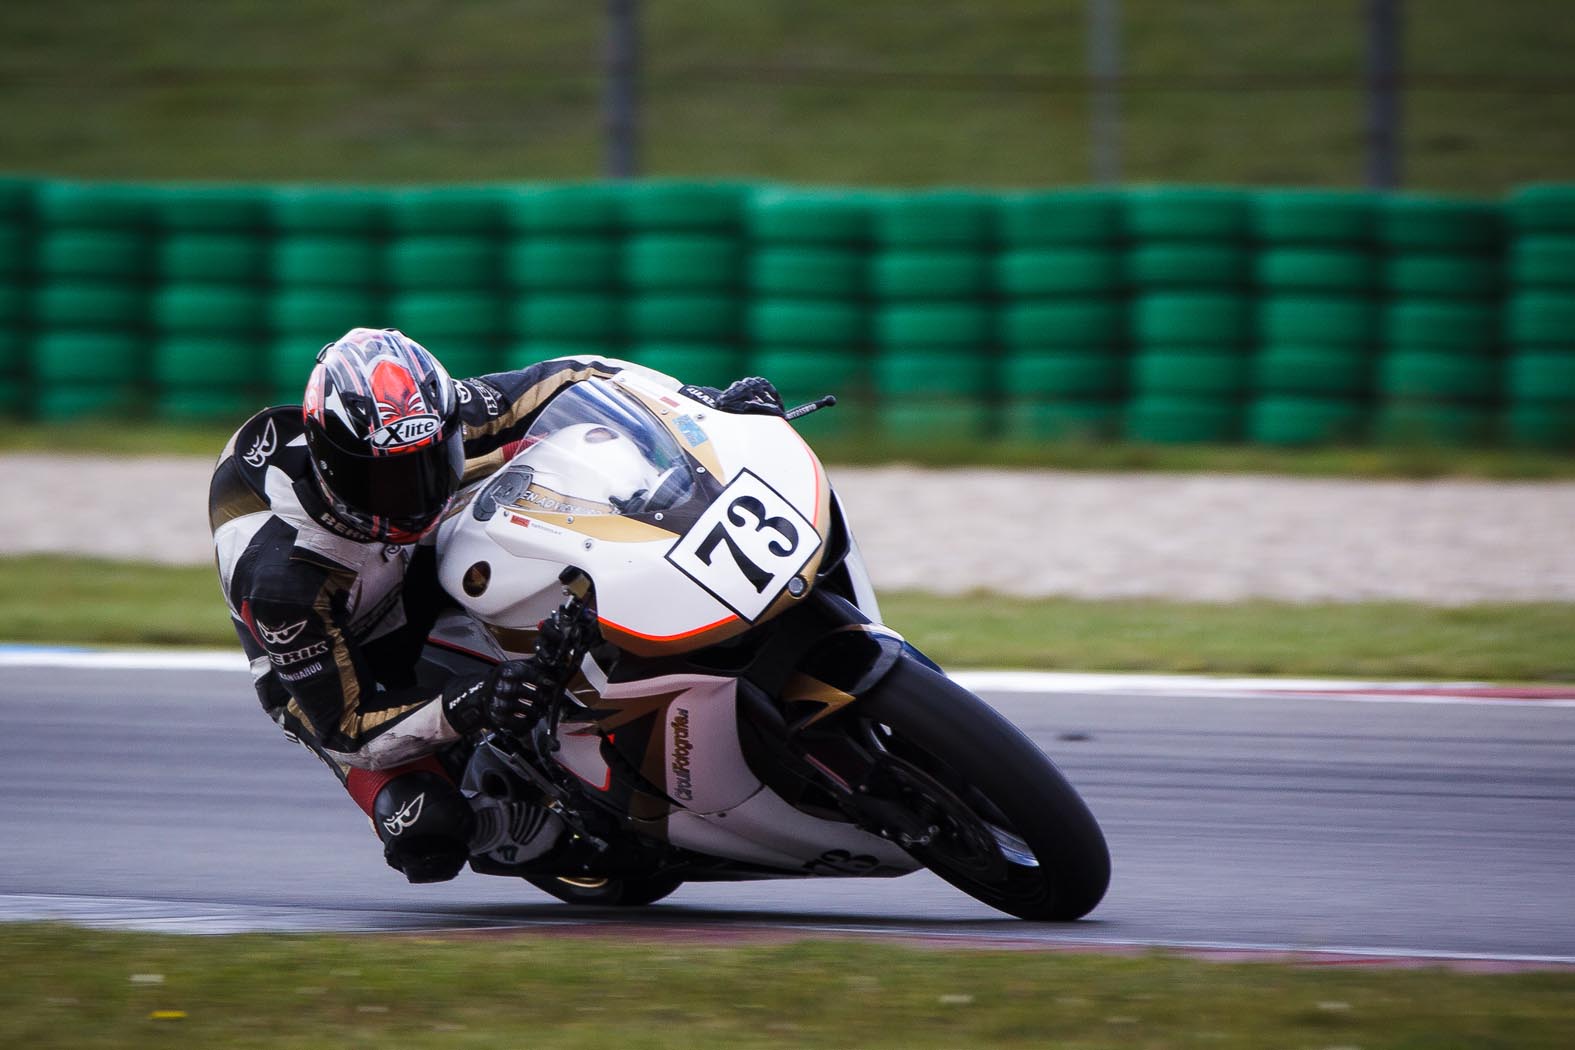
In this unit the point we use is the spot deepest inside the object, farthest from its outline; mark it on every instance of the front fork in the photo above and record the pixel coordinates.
(808, 727)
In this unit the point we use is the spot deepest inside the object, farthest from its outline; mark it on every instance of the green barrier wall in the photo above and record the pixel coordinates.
(1161, 314)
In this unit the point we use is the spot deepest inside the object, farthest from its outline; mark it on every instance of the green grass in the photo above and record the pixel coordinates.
(1528, 642)
(147, 438)
(57, 599)
(142, 438)
(79, 990)
(53, 599)
(982, 92)
(1399, 461)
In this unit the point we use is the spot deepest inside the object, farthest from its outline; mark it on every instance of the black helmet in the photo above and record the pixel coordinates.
(382, 425)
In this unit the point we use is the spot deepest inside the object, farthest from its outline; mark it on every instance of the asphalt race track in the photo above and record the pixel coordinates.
(163, 799)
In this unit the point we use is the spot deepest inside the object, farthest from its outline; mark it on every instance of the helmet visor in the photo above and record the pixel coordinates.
(409, 488)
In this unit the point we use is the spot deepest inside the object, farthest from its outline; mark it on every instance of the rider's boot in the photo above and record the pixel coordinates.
(420, 816)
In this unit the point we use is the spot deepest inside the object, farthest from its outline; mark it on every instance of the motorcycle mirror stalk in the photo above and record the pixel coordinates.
(812, 406)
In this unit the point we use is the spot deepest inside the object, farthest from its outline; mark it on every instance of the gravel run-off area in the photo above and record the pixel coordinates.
(1031, 533)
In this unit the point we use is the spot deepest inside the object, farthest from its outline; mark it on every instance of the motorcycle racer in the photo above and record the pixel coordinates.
(322, 517)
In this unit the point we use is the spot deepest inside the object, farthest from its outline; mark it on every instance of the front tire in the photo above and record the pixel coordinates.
(608, 893)
(1009, 830)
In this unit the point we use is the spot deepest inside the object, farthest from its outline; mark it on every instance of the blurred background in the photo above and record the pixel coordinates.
(965, 92)
(1024, 222)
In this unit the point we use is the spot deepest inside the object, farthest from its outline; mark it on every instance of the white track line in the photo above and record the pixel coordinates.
(125, 659)
(215, 917)
(1207, 687)
(1038, 682)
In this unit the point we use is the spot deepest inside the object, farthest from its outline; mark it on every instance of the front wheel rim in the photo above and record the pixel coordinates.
(970, 846)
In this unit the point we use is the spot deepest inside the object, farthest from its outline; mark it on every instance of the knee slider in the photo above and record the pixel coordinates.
(425, 825)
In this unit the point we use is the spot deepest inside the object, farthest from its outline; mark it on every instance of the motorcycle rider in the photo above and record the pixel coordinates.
(323, 517)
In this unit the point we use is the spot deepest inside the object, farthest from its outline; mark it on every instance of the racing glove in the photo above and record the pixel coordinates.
(751, 396)
(511, 696)
(506, 698)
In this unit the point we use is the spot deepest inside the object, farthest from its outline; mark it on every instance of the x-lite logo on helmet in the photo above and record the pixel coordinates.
(408, 814)
(401, 409)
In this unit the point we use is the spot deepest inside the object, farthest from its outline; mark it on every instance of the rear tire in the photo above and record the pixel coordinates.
(609, 893)
(1018, 801)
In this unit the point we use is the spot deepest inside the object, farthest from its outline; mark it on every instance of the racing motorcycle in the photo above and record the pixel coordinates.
(731, 706)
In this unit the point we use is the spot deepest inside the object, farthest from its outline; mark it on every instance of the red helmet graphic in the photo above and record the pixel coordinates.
(382, 426)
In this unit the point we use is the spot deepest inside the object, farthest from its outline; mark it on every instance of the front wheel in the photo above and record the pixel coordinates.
(995, 818)
(624, 893)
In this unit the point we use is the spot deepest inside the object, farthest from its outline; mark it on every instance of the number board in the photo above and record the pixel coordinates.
(746, 546)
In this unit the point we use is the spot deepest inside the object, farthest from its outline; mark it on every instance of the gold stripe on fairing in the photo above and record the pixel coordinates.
(533, 398)
(514, 640)
(610, 714)
(612, 527)
(802, 687)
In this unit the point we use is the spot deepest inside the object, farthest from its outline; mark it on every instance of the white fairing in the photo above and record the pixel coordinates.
(612, 480)
(728, 812)
(559, 503)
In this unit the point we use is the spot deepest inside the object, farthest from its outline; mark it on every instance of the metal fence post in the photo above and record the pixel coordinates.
(620, 99)
(1383, 94)
(1104, 71)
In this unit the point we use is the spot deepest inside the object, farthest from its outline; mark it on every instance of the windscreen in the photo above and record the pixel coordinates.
(594, 449)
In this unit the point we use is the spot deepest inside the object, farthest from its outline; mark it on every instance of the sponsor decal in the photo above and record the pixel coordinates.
(491, 398)
(555, 505)
(266, 445)
(408, 814)
(405, 417)
(295, 656)
(699, 394)
(280, 635)
(691, 431)
(520, 520)
(409, 430)
(459, 698)
(537, 525)
(683, 779)
(327, 520)
(315, 667)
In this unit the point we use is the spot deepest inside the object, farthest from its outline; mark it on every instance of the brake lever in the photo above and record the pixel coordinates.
(543, 744)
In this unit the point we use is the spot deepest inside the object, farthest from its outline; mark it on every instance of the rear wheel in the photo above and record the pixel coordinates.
(1001, 822)
(609, 893)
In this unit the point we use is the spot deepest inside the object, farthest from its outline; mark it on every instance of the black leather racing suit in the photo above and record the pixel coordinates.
(334, 625)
